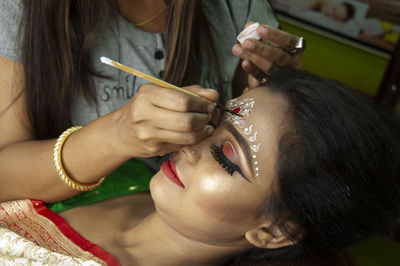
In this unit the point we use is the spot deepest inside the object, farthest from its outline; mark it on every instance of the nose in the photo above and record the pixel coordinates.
(191, 154)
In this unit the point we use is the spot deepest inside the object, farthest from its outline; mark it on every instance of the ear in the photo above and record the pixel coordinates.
(268, 236)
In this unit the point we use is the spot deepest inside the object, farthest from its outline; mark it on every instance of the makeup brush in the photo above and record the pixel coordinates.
(157, 81)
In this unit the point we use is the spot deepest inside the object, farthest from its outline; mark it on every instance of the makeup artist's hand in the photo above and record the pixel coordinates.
(157, 120)
(267, 54)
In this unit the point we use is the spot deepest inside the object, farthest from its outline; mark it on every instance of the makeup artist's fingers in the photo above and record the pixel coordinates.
(156, 117)
(285, 41)
(203, 104)
(184, 138)
(263, 53)
(178, 121)
(261, 50)
(209, 94)
(175, 100)
(281, 38)
(268, 53)
(160, 141)
(256, 75)
(177, 140)
(165, 148)
(267, 68)
(297, 62)
(248, 23)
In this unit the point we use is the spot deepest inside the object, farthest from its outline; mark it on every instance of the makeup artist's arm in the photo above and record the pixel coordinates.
(26, 165)
(260, 57)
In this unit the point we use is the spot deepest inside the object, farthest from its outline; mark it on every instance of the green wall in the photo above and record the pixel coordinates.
(329, 58)
(377, 251)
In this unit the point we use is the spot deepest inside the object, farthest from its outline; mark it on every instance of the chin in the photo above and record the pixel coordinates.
(164, 193)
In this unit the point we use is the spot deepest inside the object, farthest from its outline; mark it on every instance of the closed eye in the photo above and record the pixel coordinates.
(224, 162)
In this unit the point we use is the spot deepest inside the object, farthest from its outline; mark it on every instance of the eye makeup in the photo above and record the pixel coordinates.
(223, 154)
(228, 151)
(244, 107)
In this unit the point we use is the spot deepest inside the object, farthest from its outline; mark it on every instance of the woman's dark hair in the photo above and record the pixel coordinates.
(57, 38)
(338, 169)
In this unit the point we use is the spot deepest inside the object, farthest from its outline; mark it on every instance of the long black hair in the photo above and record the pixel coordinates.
(338, 169)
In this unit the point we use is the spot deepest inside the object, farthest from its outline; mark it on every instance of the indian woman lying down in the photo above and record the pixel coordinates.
(307, 170)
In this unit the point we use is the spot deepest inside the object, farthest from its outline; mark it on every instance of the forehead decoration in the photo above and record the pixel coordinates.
(244, 107)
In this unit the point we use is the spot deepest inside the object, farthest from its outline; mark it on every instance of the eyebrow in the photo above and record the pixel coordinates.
(242, 143)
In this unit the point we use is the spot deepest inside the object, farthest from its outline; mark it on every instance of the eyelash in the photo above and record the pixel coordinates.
(226, 164)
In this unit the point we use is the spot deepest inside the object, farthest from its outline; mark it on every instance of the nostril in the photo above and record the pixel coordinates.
(191, 154)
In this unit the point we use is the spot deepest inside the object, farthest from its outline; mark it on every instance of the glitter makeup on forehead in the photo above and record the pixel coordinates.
(244, 107)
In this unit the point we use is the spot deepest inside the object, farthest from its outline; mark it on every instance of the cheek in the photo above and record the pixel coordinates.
(223, 199)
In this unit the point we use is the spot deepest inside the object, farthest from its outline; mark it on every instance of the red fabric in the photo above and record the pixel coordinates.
(74, 236)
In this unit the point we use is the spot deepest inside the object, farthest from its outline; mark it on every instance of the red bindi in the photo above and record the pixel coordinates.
(236, 110)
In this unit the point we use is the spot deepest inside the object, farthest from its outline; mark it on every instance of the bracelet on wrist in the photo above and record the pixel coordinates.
(57, 157)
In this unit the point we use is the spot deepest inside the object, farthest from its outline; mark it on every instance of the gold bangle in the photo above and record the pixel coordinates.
(59, 165)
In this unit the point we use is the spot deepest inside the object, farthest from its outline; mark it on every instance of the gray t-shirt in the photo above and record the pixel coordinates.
(143, 51)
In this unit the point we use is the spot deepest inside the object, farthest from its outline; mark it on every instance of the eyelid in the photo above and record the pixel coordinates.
(229, 166)
(241, 146)
(235, 157)
(237, 161)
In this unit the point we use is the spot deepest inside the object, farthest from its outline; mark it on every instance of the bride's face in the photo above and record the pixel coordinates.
(211, 192)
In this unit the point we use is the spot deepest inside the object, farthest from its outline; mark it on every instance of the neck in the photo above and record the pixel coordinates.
(153, 242)
(139, 11)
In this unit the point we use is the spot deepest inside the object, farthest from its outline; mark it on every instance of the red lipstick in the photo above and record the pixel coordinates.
(169, 170)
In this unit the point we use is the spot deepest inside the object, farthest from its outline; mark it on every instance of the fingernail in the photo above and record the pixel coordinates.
(249, 44)
(262, 31)
(238, 50)
(209, 130)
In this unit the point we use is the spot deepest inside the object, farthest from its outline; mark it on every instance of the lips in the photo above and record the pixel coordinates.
(169, 170)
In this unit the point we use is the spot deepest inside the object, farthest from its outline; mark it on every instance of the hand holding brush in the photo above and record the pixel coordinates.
(157, 81)
(159, 120)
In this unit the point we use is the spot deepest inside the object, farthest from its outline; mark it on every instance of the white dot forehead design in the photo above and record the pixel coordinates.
(244, 107)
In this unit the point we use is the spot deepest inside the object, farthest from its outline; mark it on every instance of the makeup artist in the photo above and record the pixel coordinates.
(52, 83)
